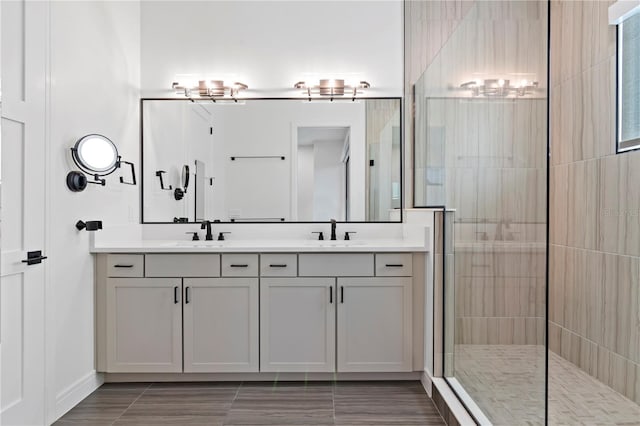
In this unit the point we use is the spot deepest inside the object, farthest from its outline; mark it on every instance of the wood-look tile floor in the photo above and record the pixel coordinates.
(290, 403)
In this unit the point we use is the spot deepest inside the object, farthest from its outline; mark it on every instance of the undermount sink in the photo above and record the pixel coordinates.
(330, 243)
(199, 244)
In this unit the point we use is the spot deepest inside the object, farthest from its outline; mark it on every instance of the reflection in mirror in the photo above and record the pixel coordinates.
(271, 160)
(323, 154)
(185, 177)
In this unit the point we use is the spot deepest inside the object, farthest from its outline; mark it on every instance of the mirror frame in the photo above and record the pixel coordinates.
(400, 99)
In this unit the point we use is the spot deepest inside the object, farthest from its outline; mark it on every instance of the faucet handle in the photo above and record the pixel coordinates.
(221, 235)
(346, 235)
(195, 237)
(320, 234)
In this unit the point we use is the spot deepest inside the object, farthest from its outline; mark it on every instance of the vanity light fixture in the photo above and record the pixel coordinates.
(499, 88)
(332, 88)
(211, 89)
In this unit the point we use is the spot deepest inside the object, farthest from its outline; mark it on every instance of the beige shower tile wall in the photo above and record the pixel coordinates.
(594, 286)
(494, 154)
(500, 297)
(428, 24)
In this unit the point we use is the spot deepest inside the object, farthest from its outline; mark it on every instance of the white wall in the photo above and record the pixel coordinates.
(270, 45)
(330, 180)
(94, 87)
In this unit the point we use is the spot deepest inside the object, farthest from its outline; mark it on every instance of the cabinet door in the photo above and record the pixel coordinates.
(297, 324)
(374, 324)
(220, 325)
(144, 325)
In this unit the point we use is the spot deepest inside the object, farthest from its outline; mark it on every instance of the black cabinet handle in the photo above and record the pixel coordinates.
(331, 294)
(187, 295)
(341, 294)
(244, 265)
(123, 266)
(278, 265)
(394, 265)
(176, 297)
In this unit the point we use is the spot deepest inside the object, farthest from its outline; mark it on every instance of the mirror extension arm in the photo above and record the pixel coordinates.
(159, 173)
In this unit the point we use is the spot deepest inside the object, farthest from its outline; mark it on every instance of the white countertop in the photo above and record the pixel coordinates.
(257, 246)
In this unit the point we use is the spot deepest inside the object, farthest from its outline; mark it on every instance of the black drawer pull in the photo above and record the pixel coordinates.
(394, 265)
(187, 295)
(244, 265)
(123, 266)
(278, 265)
(331, 294)
(176, 297)
(341, 294)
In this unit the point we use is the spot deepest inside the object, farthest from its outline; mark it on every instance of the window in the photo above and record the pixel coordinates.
(628, 117)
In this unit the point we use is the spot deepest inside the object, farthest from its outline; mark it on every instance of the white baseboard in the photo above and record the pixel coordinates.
(72, 395)
(256, 377)
(427, 384)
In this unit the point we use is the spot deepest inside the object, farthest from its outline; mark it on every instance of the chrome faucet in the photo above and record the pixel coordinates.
(207, 224)
(333, 230)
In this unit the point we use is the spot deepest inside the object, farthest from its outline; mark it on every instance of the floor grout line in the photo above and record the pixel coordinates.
(134, 401)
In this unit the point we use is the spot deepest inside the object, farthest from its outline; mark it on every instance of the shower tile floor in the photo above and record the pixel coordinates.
(507, 382)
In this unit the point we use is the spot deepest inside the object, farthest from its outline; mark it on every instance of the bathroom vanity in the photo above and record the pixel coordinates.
(258, 308)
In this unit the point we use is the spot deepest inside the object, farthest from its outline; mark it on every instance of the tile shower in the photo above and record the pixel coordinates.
(485, 160)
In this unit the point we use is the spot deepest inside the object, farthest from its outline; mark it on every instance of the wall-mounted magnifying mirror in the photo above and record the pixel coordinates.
(185, 177)
(97, 156)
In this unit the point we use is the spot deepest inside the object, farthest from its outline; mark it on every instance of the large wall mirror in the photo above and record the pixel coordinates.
(271, 160)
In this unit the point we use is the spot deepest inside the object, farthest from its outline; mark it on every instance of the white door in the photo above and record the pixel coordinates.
(374, 324)
(297, 324)
(144, 325)
(220, 325)
(22, 286)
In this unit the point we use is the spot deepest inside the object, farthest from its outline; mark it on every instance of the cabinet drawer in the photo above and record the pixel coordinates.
(125, 265)
(278, 265)
(336, 265)
(394, 265)
(239, 265)
(182, 265)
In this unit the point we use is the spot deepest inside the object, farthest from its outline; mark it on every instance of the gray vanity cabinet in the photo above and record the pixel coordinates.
(144, 325)
(156, 308)
(220, 325)
(266, 313)
(374, 332)
(297, 325)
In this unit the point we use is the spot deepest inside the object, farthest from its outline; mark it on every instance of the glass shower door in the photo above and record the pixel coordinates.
(481, 153)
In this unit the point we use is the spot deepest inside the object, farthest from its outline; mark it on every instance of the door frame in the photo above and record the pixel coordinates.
(295, 126)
